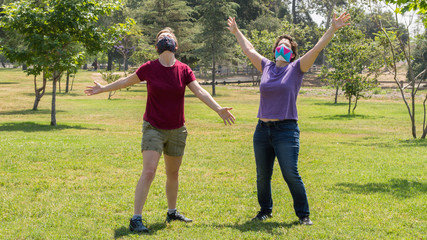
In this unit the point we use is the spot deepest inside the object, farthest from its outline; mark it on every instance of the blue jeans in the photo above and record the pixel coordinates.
(279, 139)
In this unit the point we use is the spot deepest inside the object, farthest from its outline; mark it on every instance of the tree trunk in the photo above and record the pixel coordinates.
(39, 92)
(355, 103)
(56, 76)
(424, 122)
(110, 60)
(72, 82)
(294, 13)
(336, 95)
(125, 65)
(213, 73)
(349, 104)
(68, 82)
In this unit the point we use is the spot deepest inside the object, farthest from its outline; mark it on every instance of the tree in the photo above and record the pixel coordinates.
(263, 42)
(354, 64)
(391, 38)
(327, 8)
(126, 49)
(214, 35)
(52, 34)
(110, 77)
(154, 15)
(412, 5)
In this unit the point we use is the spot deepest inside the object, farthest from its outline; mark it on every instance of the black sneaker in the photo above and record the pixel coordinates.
(136, 225)
(176, 216)
(262, 215)
(305, 221)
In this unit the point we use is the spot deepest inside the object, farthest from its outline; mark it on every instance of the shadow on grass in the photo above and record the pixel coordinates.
(124, 231)
(9, 83)
(35, 127)
(346, 117)
(394, 143)
(414, 143)
(400, 188)
(28, 112)
(330, 104)
(258, 226)
(249, 226)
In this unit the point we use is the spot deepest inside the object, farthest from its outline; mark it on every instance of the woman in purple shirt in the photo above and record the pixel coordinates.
(277, 132)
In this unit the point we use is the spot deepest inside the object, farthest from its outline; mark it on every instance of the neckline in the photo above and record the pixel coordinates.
(174, 62)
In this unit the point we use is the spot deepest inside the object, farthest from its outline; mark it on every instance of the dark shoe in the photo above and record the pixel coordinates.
(176, 216)
(305, 221)
(262, 215)
(136, 225)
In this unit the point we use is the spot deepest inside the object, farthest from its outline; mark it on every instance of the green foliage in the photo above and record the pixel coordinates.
(265, 22)
(390, 58)
(214, 35)
(51, 33)
(306, 36)
(354, 62)
(419, 54)
(154, 15)
(412, 5)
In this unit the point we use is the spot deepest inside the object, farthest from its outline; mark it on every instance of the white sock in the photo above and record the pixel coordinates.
(170, 211)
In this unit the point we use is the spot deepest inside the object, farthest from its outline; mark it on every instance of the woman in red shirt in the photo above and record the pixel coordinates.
(163, 127)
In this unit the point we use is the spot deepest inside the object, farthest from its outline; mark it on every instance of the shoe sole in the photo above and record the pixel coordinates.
(143, 231)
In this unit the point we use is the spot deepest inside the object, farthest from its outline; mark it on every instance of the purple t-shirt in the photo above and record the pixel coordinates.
(279, 89)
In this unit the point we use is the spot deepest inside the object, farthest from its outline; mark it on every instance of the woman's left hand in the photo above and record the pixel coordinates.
(340, 22)
(226, 115)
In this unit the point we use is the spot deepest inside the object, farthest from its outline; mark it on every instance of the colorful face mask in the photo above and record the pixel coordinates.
(283, 53)
(166, 44)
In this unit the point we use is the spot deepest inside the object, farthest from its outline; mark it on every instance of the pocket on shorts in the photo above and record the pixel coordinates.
(146, 125)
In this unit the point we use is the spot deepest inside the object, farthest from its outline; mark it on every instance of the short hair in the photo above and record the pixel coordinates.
(167, 30)
(294, 45)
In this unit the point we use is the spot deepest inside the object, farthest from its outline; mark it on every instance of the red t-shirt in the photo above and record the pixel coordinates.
(166, 90)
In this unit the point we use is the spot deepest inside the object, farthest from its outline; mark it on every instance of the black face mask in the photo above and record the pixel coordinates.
(166, 44)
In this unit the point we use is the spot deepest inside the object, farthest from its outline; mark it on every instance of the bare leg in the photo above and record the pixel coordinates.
(172, 171)
(150, 162)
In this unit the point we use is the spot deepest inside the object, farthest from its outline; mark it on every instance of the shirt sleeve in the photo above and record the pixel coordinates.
(141, 72)
(297, 67)
(190, 76)
(264, 62)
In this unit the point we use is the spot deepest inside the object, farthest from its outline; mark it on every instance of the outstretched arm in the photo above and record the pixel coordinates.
(121, 83)
(205, 97)
(246, 46)
(308, 59)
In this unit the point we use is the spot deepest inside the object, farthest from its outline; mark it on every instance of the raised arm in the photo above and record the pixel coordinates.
(121, 83)
(246, 46)
(308, 59)
(204, 96)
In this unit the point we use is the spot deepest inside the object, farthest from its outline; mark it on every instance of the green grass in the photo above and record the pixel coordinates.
(365, 176)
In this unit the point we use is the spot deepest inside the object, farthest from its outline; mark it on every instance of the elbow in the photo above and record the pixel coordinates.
(248, 50)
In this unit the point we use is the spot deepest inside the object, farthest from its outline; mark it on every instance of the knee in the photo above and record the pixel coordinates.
(291, 176)
(148, 175)
(172, 174)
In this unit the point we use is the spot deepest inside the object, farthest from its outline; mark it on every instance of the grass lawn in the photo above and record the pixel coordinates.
(365, 176)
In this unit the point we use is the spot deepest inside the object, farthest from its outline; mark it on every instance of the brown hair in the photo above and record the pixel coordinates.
(167, 30)
(294, 45)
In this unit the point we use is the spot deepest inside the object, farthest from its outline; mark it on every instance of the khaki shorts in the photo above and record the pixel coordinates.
(171, 142)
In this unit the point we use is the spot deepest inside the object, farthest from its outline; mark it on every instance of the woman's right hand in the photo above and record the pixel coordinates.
(91, 90)
(232, 25)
